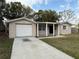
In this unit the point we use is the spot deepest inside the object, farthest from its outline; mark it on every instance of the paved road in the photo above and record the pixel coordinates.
(33, 48)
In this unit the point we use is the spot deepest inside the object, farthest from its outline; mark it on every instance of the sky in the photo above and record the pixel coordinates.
(58, 5)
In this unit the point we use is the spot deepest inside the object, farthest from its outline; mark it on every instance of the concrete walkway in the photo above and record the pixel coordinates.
(35, 49)
(58, 36)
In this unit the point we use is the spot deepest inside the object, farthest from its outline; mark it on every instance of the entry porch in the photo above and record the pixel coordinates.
(47, 29)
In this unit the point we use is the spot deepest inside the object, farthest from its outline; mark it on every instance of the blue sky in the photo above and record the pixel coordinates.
(57, 5)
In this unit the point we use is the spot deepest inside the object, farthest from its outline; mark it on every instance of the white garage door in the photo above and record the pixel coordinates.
(23, 30)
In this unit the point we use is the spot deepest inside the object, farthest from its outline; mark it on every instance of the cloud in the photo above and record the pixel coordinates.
(30, 2)
(68, 6)
(62, 6)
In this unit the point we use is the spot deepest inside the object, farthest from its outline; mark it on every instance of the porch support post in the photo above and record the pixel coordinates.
(37, 29)
(46, 29)
(58, 30)
(53, 29)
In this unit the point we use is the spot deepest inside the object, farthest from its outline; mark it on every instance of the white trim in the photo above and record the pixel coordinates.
(53, 29)
(46, 29)
(47, 22)
(37, 29)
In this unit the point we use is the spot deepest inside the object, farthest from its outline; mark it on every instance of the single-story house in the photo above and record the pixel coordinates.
(22, 27)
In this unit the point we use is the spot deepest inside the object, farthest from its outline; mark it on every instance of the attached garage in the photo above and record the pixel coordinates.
(22, 27)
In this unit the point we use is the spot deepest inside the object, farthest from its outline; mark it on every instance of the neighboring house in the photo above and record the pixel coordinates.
(22, 27)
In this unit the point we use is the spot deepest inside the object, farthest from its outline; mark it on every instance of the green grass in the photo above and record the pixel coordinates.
(5, 47)
(68, 44)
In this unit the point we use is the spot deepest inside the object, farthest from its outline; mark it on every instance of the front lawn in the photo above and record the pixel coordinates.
(68, 44)
(5, 47)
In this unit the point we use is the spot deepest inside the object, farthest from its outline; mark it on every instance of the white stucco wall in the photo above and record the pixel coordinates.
(64, 31)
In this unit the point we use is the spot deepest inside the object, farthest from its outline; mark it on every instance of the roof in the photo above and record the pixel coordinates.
(17, 19)
(65, 23)
(30, 20)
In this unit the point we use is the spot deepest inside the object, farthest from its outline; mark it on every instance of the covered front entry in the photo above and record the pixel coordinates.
(47, 29)
(23, 30)
(50, 27)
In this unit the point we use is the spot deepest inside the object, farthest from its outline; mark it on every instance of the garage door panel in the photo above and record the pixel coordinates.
(23, 30)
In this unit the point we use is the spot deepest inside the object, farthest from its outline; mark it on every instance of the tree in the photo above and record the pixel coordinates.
(66, 15)
(47, 16)
(27, 10)
(12, 11)
(16, 10)
(2, 6)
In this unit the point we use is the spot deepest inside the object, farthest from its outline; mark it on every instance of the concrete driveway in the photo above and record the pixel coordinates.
(33, 48)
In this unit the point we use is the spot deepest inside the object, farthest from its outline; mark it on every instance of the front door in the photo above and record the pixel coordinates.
(51, 29)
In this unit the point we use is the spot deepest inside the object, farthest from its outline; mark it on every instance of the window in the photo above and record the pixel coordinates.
(64, 27)
(41, 27)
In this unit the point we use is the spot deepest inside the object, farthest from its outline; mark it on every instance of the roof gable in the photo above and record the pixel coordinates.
(23, 18)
